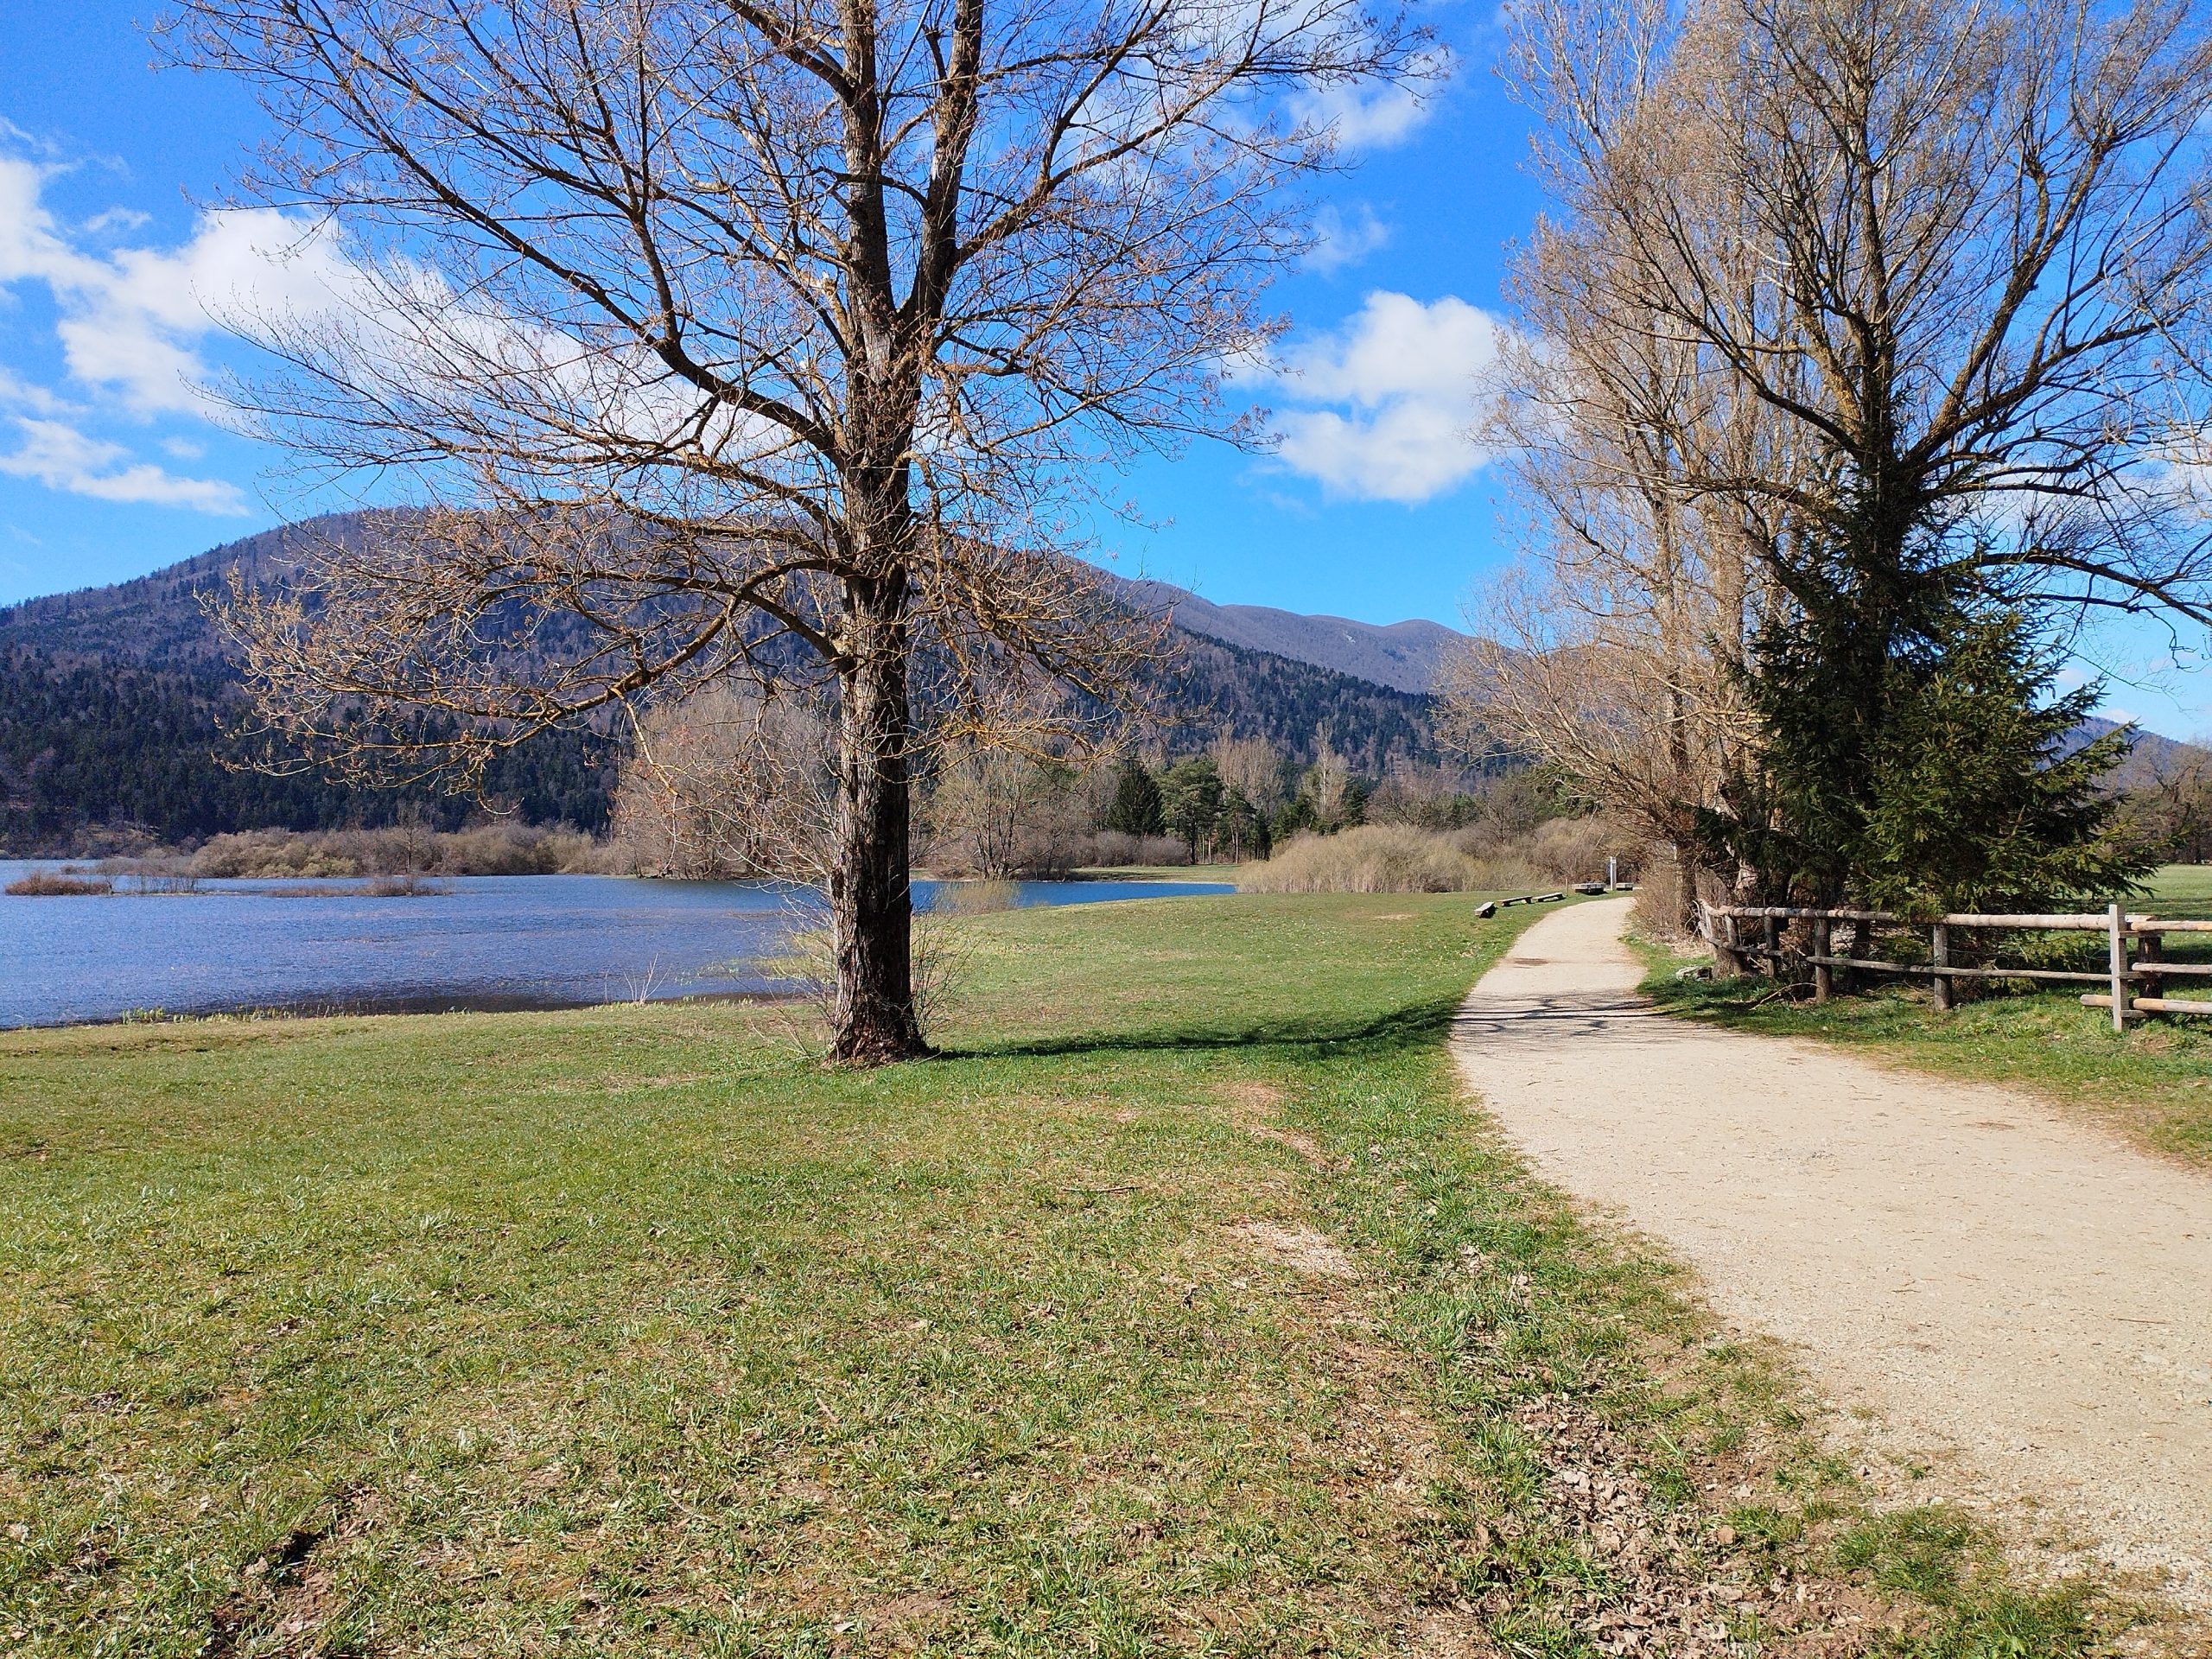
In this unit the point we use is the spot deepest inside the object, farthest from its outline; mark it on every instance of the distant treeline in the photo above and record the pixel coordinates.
(94, 755)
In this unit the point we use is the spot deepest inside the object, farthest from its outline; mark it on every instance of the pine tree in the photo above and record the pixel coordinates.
(1191, 796)
(1914, 757)
(1980, 800)
(1136, 809)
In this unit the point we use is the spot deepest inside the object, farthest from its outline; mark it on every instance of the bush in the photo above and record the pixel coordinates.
(486, 849)
(59, 884)
(170, 873)
(1567, 850)
(403, 886)
(1375, 858)
(1400, 858)
(514, 849)
(1114, 849)
(1659, 900)
(271, 853)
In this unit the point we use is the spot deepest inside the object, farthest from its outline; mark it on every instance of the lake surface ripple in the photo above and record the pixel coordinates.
(476, 941)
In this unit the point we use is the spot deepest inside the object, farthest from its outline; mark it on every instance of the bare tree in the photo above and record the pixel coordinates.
(2168, 798)
(759, 338)
(1879, 293)
(1616, 650)
(1955, 257)
(1326, 780)
(995, 812)
(729, 784)
(1417, 793)
(1251, 767)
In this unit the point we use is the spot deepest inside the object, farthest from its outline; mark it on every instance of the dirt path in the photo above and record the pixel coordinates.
(1973, 1273)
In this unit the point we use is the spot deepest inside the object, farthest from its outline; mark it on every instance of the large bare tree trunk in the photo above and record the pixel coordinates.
(871, 895)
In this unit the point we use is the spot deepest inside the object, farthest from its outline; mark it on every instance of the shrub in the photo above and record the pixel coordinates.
(403, 886)
(1575, 849)
(1659, 900)
(1373, 858)
(514, 849)
(403, 849)
(271, 853)
(59, 884)
(1114, 849)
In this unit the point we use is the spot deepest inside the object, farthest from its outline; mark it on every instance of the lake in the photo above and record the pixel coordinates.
(481, 941)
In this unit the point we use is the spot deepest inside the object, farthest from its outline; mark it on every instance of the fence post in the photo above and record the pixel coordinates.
(1771, 937)
(1823, 976)
(2116, 924)
(1720, 934)
(1938, 957)
(2148, 955)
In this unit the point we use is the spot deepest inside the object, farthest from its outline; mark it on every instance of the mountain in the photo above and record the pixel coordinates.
(155, 622)
(2152, 757)
(1404, 655)
(113, 702)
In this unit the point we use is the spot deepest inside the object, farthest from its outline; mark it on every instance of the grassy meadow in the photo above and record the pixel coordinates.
(1183, 1308)
(2154, 1085)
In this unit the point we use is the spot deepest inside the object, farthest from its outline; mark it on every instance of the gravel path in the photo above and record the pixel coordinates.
(1970, 1271)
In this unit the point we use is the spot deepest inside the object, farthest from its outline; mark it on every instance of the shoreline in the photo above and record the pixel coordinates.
(382, 1007)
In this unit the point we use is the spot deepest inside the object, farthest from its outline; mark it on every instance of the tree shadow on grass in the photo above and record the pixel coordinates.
(1413, 1023)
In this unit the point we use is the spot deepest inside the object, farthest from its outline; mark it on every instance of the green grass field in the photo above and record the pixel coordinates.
(2154, 1085)
(2181, 890)
(1182, 1308)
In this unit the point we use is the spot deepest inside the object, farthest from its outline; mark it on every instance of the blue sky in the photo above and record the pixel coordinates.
(1375, 506)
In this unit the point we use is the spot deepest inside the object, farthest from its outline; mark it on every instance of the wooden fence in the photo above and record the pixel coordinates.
(2135, 976)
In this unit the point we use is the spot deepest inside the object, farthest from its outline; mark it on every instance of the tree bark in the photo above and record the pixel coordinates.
(871, 896)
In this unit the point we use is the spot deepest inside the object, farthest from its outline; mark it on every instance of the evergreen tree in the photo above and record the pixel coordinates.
(1357, 792)
(1976, 802)
(1915, 759)
(1136, 809)
(1191, 798)
(1242, 830)
(1292, 817)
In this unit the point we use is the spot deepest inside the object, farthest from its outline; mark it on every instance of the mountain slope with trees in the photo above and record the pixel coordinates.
(114, 703)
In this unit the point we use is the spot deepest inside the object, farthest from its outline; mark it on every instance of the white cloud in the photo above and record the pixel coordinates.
(1375, 117)
(118, 218)
(131, 324)
(61, 457)
(135, 330)
(30, 244)
(1389, 398)
(1339, 241)
(16, 393)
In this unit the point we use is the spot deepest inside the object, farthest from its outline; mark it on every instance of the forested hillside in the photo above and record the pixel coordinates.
(114, 703)
(92, 746)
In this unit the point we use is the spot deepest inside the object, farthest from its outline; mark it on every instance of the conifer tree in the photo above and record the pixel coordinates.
(1191, 798)
(1913, 757)
(1136, 809)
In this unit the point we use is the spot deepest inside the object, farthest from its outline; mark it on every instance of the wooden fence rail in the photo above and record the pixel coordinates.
(2135, 955)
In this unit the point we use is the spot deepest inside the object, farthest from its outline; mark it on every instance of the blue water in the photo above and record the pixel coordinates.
(484, 942)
